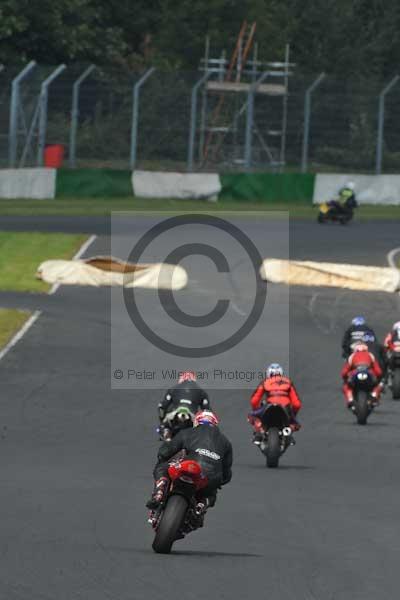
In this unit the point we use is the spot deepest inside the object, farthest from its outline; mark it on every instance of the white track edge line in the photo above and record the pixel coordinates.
(25, 327)
(392, 263)
(34, 317)
(80, 253)
(84, 247)
(390, 257)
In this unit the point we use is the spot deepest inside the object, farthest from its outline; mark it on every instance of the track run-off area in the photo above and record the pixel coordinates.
(76, 456)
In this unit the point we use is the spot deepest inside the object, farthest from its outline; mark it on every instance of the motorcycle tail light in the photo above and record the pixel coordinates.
(192, 467)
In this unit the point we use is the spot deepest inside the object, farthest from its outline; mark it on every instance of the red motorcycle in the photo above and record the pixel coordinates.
(179, 514)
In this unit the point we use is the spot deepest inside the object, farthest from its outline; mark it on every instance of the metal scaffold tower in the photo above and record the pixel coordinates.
(244, 110)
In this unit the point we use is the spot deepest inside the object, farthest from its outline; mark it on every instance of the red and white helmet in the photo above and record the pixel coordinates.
(187, 376)
(361, 348)
(205, 417)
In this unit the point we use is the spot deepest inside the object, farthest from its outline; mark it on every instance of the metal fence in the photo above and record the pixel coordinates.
(183, 121)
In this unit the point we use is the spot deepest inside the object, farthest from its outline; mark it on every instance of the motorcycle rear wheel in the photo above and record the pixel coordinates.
(396, 384)
(171, 522)
(362, 408)
(273, 450)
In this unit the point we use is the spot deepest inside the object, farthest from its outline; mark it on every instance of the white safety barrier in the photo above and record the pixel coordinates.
(28, 183)
(108, 271)
(369, 189)
(353, 277)
(150, 184)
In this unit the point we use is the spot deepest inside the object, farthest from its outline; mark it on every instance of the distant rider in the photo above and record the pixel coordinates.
(359, 331)
(392, 337)
(361, 357)
(278, 389)
(186, 393)
(203, 443)
(346, 198)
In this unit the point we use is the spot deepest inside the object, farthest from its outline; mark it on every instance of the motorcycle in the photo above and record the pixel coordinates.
(337, 212)
(362, 384)
(179, 514)
(277, 434)
(394, 370)
(179, 418)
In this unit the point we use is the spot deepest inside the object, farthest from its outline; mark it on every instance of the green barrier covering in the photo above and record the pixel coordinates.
(268, 187)
(93, 183)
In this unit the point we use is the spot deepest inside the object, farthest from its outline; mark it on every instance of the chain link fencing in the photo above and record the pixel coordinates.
(112, 126)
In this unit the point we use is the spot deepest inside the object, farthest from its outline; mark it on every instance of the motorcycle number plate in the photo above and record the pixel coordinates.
(186, 479)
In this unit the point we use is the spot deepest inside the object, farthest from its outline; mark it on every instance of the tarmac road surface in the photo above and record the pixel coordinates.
(76, 457)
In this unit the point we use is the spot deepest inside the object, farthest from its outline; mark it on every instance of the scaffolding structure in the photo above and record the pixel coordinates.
(235, 94)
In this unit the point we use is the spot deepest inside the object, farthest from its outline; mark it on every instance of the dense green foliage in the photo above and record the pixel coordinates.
(340, 36)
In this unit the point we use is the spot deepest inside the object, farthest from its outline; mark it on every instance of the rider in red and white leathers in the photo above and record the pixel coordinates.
(277, 389)
(361, 357)
(392, 337)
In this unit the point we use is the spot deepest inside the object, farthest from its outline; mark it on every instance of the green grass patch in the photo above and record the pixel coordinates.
(22, 253)
(104, 206)
(10, 321)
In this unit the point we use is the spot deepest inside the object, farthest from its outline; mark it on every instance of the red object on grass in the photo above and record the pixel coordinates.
(54, 156)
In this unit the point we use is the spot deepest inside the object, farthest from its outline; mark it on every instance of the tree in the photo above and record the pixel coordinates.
(52, 32)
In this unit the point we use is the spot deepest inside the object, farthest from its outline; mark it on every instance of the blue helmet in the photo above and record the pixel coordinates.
(358, 321)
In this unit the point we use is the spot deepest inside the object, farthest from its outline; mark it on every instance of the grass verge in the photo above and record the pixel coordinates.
(21, 254)
(104, 206)
(11, 321)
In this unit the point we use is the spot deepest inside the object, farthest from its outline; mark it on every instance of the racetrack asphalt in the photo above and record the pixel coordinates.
(76, 457)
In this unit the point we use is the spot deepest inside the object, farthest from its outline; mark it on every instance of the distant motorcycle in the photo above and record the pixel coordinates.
(181, 417)
(362, 383)
(178, 514)
(277, 436)
(394, 370)
(337, 212)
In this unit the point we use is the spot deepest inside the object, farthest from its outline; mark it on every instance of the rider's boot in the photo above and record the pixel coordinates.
(376, 393)
(257, 437)
(159, 493)
(349, 398)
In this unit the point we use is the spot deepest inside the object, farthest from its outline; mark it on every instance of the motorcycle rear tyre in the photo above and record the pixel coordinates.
(273, 450)
(171, 522)
(396, 384)
(362, 409)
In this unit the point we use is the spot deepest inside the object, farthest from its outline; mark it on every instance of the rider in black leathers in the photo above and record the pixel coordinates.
(205, 444)
(186, 393)
(360, 331)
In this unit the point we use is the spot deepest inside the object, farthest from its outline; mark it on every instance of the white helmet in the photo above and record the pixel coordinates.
(350, 185)
(274, 370)
(396, 325)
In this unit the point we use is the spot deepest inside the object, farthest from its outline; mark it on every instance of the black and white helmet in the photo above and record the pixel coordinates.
(274, 370)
